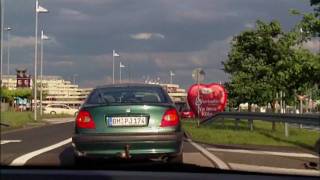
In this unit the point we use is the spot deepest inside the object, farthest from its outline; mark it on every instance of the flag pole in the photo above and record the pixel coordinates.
(120, 71)
(113, 67)
(41, 72)
(35, 63)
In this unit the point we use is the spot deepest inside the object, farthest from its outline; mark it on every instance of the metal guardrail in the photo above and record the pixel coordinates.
(306, 119)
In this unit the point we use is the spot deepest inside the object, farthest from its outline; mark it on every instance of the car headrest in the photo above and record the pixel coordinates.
(150, 98)
(109, 98)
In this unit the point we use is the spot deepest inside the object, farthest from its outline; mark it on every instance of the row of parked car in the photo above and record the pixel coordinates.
(60, 109)
(182, 108)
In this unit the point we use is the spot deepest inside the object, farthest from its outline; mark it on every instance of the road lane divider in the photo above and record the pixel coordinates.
(9, 141)
(258, 152)
(273, 170)
(213, 158)
(20, 161)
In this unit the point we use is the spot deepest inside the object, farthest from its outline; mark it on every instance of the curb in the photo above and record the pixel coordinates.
(187, 135)
(25, 127)
(39, 125)
(217, 162)
(189, 139)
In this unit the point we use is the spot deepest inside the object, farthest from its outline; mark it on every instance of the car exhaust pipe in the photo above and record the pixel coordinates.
(126, 153)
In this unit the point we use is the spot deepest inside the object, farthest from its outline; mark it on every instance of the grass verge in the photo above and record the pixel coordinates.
(226, 133)
(16, 120)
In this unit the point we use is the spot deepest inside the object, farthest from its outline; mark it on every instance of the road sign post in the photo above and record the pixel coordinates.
(198, 75)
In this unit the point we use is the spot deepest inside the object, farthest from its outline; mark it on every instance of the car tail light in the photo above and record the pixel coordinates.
(85, 120)
(170, 118)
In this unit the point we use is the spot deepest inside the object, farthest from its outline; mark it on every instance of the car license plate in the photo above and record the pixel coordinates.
(126, 121)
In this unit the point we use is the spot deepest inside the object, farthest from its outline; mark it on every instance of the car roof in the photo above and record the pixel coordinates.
(57, 104)
(129, 85)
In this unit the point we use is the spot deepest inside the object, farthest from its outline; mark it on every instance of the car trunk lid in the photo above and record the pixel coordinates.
(141, 118)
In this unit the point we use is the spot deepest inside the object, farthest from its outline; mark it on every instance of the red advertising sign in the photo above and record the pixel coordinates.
(212, 99)
(23, 80)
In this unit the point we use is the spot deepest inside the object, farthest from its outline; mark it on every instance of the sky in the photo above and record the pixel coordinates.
(153, 37)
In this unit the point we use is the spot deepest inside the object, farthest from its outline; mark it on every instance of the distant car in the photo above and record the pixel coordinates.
(184, 110)
(128, 121)
(187, 114)
(60, 109)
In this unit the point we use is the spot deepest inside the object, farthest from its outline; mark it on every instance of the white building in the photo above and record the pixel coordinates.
(176, 93)
(56, 90)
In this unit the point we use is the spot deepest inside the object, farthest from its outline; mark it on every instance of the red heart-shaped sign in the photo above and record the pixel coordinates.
(212, 99)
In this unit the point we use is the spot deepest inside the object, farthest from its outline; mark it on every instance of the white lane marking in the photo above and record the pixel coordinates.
(288, 154)
(20, 161)
(9, 141)
(196, 158)
(277, 170)
(58, 121)
(212, 157)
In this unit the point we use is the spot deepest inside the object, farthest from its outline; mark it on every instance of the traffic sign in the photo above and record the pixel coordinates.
(198, 75)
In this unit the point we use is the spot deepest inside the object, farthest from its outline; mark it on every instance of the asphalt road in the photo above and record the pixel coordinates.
(50, 145)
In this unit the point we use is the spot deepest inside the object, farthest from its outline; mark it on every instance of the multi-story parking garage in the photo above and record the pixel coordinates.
(56, 90)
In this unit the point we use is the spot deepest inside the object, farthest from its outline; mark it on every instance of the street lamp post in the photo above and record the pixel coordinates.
(43, 37)
(114, 54)
(121, 66)
(171, 77)
(2, 28)
(38, 9)
(74, 78)
(8, 29)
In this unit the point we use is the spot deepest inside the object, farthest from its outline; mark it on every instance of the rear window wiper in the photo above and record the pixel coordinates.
(101, 97)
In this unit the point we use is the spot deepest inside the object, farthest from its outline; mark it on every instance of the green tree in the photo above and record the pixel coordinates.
(266, 60)
(251, 63)
(309, 26)
(9, 95)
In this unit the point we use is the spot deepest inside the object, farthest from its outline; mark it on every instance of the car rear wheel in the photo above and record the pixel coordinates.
(79, 161)
(176, 159)
(317, 146)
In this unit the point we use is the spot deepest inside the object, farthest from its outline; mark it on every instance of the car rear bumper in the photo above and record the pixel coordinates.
(111, 145)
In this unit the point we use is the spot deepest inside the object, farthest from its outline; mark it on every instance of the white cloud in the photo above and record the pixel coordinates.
(73, 14)
(204, 16)
(249, 25)
(147, 36)
(20, 42)
(24, 42)
(63, 63)
(94, 83)
(86, 1)
(204, 11)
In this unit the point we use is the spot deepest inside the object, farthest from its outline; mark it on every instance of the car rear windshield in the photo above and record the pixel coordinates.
(128, 95)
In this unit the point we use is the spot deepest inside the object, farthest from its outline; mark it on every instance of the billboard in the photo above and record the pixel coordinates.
(23, 79)
(207, 99)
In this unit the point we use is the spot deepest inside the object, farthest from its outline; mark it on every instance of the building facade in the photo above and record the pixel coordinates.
(176, 93)
(56, 90)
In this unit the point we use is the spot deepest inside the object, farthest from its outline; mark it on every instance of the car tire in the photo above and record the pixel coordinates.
(176, 159)
(53, 112)
(79, 161)
(317, 146)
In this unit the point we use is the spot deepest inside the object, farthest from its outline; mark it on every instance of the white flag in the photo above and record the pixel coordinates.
(44, 37)
(171, 73)
(115, 54)
(41, 9)
(121, 65)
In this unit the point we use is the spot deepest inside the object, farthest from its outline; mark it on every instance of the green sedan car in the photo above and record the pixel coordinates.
(128, 121)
